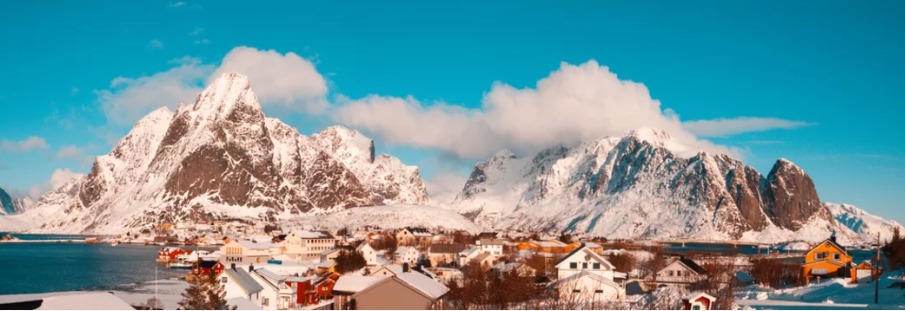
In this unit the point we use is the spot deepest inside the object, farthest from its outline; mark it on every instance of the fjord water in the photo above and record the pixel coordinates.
(54, 267)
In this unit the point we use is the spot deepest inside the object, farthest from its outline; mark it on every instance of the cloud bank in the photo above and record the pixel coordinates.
(574, 103)
(28, 144)
(284, 80)
(729, 127)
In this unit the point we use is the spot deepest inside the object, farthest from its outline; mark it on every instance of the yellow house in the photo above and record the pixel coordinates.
(827, 259)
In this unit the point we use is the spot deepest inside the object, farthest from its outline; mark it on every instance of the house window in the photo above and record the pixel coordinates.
(596, 266)
(670, 272)
(576, 291)
(836, 256)
(599, 291)
(573, 265)
(819, 256)
(265, 301)
(584, 265)
(223, 280)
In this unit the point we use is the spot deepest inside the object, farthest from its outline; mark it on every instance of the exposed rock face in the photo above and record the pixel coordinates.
(10, 205)
(791, 198)
(633, 186)
(221, 157)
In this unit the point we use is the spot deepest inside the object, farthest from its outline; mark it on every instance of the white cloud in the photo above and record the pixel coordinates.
(444, 186)
(733, 126)
(282, 80)
(572, 104)
(196, 31)
(203, 41)
(29, 144)
(57, 179)
(155, 44)
(70, 152)
(287, 80)
(130, 98)
(176, 5)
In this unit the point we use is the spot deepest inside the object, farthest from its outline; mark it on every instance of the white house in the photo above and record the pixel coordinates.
(468, 254)
(681, 272)
(276, 294)
(237, 283)
(406, 254)
(492, 246)
(244, 252)
(585, 277)
(372, 256)
(308, 245)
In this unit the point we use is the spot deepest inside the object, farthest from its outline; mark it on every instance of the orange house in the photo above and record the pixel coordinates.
(827, 259)
(594, 247)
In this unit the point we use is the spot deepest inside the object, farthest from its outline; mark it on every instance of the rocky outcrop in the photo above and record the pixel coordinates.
(790, 196)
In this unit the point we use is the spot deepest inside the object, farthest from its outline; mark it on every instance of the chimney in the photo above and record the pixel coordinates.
(251, 268)
(833, 236)
(233, 266)
(405, 267)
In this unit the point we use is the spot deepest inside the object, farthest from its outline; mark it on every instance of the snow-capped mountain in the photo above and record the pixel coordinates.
(635, 187)
(11, 205)
(863, 223)
(221, 157)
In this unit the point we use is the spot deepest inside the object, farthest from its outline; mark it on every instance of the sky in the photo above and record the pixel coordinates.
(442, 85)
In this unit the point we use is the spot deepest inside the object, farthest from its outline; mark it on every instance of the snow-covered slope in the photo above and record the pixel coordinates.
(390, 216)
(221, 157)
(635, 187)
(863, 223)
(10, 205)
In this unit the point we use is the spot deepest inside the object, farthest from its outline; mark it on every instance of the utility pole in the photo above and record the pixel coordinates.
(877, 279)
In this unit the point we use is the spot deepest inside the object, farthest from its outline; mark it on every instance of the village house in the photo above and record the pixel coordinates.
(697, 301)
(468, 254)
(492, 246)
(585, 277)
(206, 267)
(546, 248)
(308, 245)
(276, 293)
(406, 254)
(244, 252)
(413, 236)
(407, 290)
(520, 269)
(681, 272)
(237, 283)
(827, 259)
(444, 254)
(372, 256)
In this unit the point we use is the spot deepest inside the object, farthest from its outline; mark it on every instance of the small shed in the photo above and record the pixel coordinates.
(865, 272)
(697, 301)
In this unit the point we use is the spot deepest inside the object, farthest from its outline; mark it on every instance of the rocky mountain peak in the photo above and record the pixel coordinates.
(229, 96)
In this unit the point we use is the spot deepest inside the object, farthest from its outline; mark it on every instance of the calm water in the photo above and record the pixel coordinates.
(52, 267)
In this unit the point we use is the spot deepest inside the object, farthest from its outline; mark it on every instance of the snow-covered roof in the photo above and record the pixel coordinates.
(305, 234)
(550, 243)
(356, 283)
(244, 280)
(256, 245)
(696, 295)
(426, 285)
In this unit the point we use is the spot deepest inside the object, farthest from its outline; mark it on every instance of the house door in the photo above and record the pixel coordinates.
(863, 275)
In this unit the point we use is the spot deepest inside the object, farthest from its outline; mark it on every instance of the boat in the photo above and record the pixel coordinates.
(114, 244)
(181, 265)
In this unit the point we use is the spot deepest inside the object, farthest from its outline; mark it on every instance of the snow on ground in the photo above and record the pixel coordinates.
(390, 216)
(169, 292)
(829, 294)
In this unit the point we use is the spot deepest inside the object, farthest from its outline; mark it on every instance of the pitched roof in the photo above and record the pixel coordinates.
(693, 265)
(446, 248)
(356, 283)
(584, 248)
(492, 241)
(245, 281)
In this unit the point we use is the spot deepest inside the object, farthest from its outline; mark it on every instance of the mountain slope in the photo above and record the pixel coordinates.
(10, 205)
(221, 157)
(635, 187)
(863, 223)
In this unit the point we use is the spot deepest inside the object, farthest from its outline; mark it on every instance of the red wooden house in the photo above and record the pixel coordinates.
(168, 254)
(324, 285)
(204, 267)
(697, 301)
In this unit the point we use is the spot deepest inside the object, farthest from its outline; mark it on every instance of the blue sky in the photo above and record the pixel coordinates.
(827, 74)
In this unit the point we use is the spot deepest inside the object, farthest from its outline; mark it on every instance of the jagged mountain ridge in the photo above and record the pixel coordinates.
(10, 205)
(223, 158)
(634, 187)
